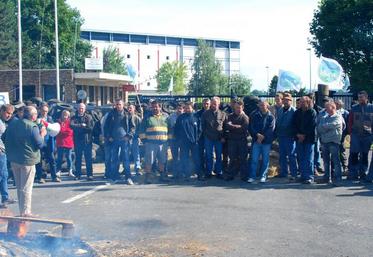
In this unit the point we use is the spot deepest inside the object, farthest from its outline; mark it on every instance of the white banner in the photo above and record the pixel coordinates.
(94, 64)
(4, 98)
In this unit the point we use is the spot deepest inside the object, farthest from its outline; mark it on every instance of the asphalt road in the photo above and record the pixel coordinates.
(213, 218)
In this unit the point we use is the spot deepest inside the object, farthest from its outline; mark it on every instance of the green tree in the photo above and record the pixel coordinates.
(237, 84)
(207, 71)
(257, 92)
(38, 37)
(8, 39)
(343, 30)
(272, 88)
(176, 71)
(113, 61)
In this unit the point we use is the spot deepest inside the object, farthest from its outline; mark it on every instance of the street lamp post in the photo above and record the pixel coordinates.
(20, 52)
(57, 51)
(309, 49)
(267, 68)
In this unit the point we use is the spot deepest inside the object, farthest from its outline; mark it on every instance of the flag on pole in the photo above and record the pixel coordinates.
(330, 73)
(171, 85)
(287, 81)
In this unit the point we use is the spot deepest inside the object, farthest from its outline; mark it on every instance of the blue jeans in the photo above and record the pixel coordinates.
(3, 178)
(107, 150)
(135, 148)
(306, 154)
(46, 153)
(120, 153)
(317, 155)
(61, 151)
(80, 149)
(330, 153)
(210, 146)
(258, 150)
(288, 157)
(186, 150)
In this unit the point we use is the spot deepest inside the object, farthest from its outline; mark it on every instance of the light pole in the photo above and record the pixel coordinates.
(309, 49)
(57, 51)
(20, 52)
(267, 68)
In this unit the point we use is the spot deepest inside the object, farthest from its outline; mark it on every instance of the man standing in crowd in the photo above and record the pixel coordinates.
(6, 112)
(82, 125)
(119, 129)
(236, 129)
(23, 139)
(330, 129)
(174, 146)
(285, 136)
(135, 147)
(274, 109)
(305, 131)
(262, 126)
(360, 127)
(212, 127)
(202, 151)
(317, 152)
(187, 134)
(342, 150)
(154, 133)
(47, 152)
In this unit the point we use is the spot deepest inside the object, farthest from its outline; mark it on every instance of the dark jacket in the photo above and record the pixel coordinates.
(187, 129)
(212, 123)
(119, 125)
(23, 142)
(305, 123)
(263, 124)
(361, 120)
(82, 127)
(232, 133)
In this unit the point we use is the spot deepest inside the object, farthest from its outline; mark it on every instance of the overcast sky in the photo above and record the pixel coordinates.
(273, 33)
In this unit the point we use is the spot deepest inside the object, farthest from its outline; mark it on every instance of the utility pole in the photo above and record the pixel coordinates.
(57, 51)
(20, 52)
(309, 49)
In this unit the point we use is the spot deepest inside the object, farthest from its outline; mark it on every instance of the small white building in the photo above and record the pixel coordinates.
(146, 53)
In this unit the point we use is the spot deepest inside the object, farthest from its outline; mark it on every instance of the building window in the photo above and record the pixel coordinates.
(148, 84)
(148, 57)
(128, 56)
(167, 58)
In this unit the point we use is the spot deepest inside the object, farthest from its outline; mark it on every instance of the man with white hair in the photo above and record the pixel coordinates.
(82, 124)
(23, 141)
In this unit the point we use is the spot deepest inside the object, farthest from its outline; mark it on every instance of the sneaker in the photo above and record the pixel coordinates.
(250, 180)
(90, 178)
(71, 174)
(41, 181)
(58, 174)
(263, 180)
(129, 182)
(308, 182)
(56, 179)
(10, 201)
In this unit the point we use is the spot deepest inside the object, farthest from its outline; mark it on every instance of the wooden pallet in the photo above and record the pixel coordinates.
(14, 224)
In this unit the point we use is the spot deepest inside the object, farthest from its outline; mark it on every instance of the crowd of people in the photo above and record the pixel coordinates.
(203, 143)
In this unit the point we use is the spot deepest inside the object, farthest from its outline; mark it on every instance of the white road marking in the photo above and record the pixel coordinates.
(89, 192)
